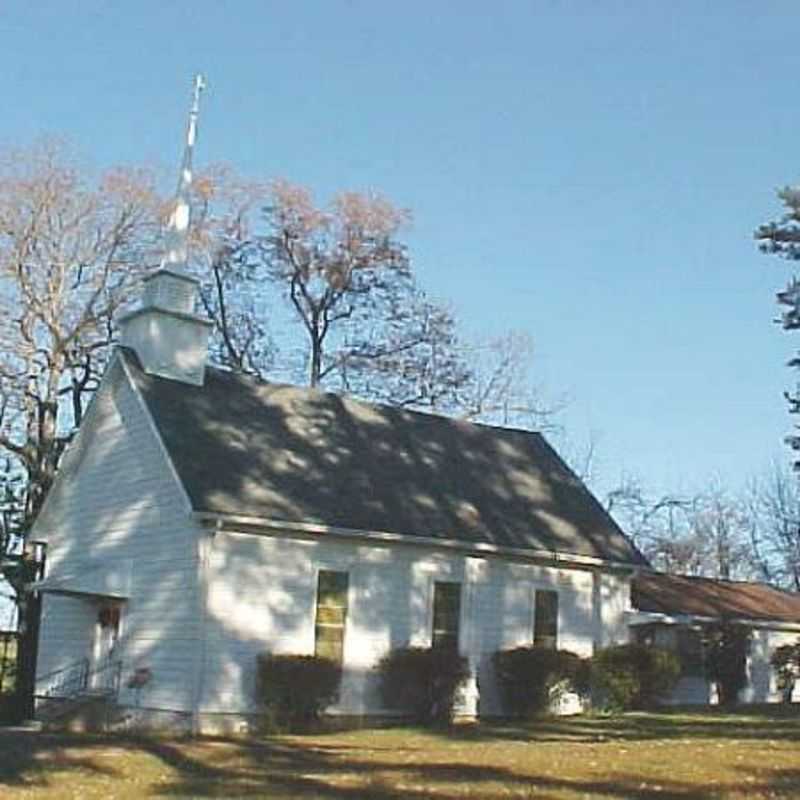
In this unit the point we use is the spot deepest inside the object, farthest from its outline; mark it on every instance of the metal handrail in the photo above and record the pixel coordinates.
(71, 665)
(77, 677)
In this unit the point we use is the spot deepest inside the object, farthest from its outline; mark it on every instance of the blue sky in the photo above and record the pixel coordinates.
(589, 172)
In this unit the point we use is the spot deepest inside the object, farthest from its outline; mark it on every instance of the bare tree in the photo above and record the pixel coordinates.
(704, 534)
(332, 264)
(719, 526)
(370, 330)
(581, 454)
(233, 291)
(500, 388)
(408, 354)
(70, 253)
(774, 515)
(658, 526)
(412, 356)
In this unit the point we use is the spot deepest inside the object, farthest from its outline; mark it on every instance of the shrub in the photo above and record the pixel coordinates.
(422, 682)
(727, 645)
(634, 675)
(531, 678)
(12, 708)
(294, 690)
(785, 660)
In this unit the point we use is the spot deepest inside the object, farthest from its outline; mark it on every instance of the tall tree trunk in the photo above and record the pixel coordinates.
(315, 371)
(30, 615)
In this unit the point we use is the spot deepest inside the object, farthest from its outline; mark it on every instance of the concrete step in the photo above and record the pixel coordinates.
(82, 712)
(26, 726)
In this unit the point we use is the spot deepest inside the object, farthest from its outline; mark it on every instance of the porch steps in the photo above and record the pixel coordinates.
(85, 711)
(77, 698)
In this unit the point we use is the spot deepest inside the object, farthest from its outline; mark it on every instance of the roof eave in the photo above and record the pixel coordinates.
(238, 523)
(637, 617)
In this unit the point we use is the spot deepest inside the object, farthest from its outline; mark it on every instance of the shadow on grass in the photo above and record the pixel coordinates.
(784, 783)
(407, 763)
(298, 770)
(776, 722)
(265, 769)
(30, 759)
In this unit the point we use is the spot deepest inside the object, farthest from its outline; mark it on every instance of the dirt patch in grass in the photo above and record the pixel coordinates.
(690, 756)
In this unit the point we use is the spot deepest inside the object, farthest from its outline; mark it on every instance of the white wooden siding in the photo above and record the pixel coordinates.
(613, 599)
(66, 634)
(261, 598)
(117, 500)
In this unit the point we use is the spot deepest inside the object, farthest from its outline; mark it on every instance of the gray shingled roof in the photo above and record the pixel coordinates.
(299, 455)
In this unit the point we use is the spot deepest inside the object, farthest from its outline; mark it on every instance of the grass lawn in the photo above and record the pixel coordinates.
(674, 755)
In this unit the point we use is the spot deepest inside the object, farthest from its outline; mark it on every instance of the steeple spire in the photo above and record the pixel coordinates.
(170, 340)
(176, 240)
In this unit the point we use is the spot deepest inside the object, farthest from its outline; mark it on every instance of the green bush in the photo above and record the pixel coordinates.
(632, 675)
(531, 678)
(422, 682)
(727, 645)
(295, 690)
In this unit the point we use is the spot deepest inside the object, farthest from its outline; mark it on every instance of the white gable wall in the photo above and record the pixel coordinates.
(116, 503)
(262, 594)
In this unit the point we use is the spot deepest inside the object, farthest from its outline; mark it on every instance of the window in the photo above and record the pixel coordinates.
(331, 614)
(446, 614)
(545, 620)
(686, 643)
(690, 652)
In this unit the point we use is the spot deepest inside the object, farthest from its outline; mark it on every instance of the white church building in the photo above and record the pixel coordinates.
(201, 518)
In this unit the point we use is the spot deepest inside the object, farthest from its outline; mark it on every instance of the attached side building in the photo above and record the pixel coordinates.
(673, 611)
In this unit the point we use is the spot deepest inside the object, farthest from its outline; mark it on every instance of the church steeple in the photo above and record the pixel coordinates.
(177, 235)
(169, 338)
